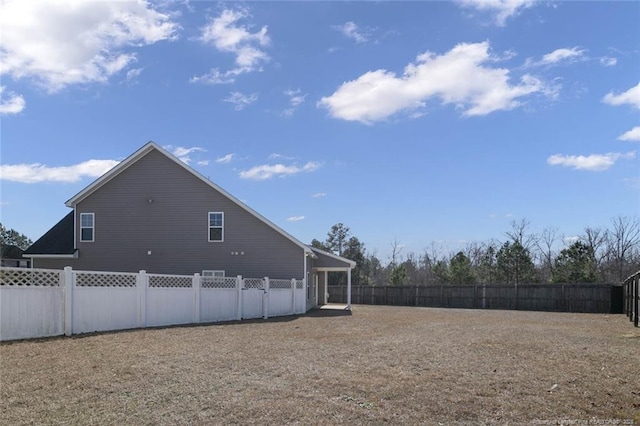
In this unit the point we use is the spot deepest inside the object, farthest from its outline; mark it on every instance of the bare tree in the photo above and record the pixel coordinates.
(473, 250)
(625, 237)
(596, 239)
(412, 266)
(396, 248)
(519, 233)
(545, 243)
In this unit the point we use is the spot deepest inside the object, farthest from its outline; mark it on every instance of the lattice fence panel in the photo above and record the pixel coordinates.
(299, 284)
(97, 279)
(170, 281)
(218, 282)
(280, 284)
(21, 277)
(257, 283)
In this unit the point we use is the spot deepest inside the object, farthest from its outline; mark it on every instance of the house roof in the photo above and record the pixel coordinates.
(57, 241)
(326, 259)
(11, 252)
(151, 146)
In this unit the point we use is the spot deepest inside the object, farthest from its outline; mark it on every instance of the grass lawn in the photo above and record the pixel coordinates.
(379, 365)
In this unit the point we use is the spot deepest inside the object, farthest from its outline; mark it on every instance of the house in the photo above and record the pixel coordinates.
(12, 257)
(155, 213)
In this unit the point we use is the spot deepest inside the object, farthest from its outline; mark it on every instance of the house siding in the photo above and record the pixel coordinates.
(158, 206)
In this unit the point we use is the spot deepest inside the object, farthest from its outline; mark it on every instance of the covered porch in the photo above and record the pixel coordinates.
(322, 265)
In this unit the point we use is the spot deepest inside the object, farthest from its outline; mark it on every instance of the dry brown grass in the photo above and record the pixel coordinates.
(379, 365)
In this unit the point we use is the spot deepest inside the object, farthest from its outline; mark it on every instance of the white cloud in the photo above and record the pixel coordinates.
(203, 163)
(501, 216)
(503, 9)
(57, 43)
(240, 100)
(133, 74)
(458, 77)
(593, 162)
(633, 182)
(295, 218)
(226, 159)
(631, 97)
(319, 195)
(36, 172)
(631, 135)
(561, 55)
(351, 30)
(296, 98)
(216, 77)
(608, 61)
(267, 171)
(226, 35)
(275, 155)
(13, 104)
(184, 154)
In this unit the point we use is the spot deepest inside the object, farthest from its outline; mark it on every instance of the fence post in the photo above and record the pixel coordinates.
(476, 298)
(484, 296)
(196, 298)
(293, 295)
(68, 300)
(627, 298)
(349, 290)
(239, 287)
(265, 299)
(636, 308)
(141, 283)
(630, 298)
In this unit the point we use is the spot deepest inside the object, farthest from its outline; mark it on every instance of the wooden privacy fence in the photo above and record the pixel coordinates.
(631, 290)
(43, 302)
(595, 298)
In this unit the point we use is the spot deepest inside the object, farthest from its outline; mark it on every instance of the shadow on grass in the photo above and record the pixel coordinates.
(323, 312)
(331, 312)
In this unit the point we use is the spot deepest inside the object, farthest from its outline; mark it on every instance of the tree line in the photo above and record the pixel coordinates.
(598, 255)
(11, 237)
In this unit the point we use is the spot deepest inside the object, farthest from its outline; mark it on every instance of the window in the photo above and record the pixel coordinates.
(216, 226)
(87, 226)
(210, 273)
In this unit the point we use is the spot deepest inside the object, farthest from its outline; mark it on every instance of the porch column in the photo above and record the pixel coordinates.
(348, 289)
(326, 286)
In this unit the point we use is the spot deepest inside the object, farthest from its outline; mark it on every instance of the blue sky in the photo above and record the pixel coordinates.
(415, 122)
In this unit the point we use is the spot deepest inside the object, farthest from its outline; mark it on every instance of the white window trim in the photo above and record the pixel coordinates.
(209, 227)
(93, 227)
(216, 273)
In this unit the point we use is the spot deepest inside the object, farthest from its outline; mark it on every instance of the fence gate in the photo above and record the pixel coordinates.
(252, 295)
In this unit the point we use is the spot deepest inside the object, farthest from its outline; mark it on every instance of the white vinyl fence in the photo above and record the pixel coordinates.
(42, 302)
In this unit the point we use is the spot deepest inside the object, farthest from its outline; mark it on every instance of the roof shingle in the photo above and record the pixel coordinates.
(58, 240)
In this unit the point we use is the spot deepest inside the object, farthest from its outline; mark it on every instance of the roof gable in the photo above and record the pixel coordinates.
(152, 146)
(58, 240)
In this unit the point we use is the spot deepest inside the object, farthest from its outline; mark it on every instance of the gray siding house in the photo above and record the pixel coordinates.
(153, 212)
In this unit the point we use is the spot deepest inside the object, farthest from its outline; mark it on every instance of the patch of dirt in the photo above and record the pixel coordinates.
(380, 365)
